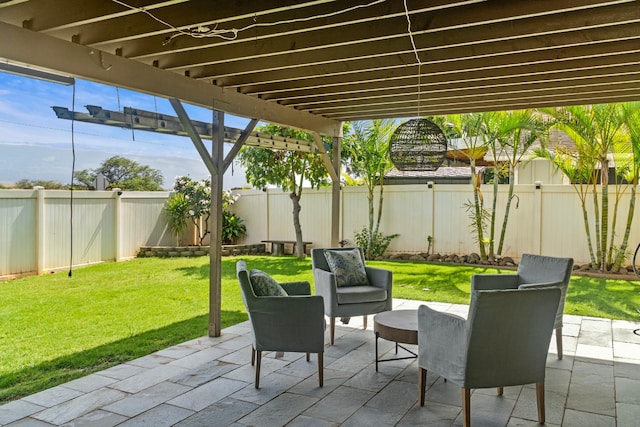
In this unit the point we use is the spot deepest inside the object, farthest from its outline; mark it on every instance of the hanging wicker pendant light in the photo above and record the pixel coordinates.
(418, 145)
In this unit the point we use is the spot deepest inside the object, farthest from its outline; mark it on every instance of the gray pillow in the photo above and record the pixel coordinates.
(348, 266)
(264, 286)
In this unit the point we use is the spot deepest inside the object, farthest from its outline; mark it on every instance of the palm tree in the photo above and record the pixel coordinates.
(596, 130)
(367, 156)
(469, 127)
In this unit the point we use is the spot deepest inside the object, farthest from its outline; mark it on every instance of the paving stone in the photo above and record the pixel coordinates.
(148, 378)
(29, 422)
(627, 414)
(527, 405)
(595, 338)
(431, 414)
(340, 404)
(279, 411)
(627, 390)
(626, 350)
(202, 374)
(150, 361)
(222, 413)
(146, 399)
(270, 386)
(206, 394)
(395, 399)
(16, 410)
(247, 373)
(592, 388)
(74, 408)
(53, 396)
(369, 379)
(594, 354)
(304, 421)
(354, 361)
(573, 418)
(626, 368)
(90, 383)
(202, 357)
(98, 418)
(121, 372)
(332, 380)
(160, 416)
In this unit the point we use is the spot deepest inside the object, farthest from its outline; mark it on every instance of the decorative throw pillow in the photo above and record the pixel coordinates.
(348, 266)
(264, 285)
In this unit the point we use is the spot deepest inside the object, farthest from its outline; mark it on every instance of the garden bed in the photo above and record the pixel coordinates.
(193, 251)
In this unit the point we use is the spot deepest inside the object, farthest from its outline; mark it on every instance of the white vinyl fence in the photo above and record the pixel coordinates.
(36, 233)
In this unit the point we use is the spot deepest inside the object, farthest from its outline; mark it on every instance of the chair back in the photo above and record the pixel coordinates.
(544, 269)
(248, 296)
(319, 261)
(508, 336)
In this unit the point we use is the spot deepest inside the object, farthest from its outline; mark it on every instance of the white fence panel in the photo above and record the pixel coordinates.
(18, 232)
(93, 228)
(142, 222)
(35, 225)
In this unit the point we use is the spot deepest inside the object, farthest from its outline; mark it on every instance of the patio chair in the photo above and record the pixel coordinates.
(348, 286)
(286, 318)
(503, 342)
(533, 271)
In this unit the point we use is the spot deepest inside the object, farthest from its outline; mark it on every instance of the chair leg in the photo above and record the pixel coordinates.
(559, 342)
(540, 398)
(422, 384)
(307, 356)
(321, 368)
(332, 329)
(364, 322)
(500, 391)
(466, 407)
(253, 356)
(258, 359)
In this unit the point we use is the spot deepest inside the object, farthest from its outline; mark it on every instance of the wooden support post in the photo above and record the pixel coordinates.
(215, 244)
(335, 195)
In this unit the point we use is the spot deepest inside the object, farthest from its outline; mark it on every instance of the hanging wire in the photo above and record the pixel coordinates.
(73, 168)
(203, 32)
(415, 52)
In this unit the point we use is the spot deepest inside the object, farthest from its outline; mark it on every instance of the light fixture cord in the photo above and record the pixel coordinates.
(415, 52)
(215, 32)
(73, 168)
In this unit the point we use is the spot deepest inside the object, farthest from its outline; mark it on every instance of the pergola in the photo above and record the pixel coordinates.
(315, 64)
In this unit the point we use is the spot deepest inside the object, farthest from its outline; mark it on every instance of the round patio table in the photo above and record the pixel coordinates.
(399, 326)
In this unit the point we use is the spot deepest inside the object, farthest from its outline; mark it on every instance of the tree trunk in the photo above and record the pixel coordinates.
(494, 204)
(507, 209)
(295, 200)
(477, 203)
(604, 236)
(625, 240)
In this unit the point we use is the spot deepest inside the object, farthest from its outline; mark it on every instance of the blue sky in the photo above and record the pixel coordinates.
(35, 144)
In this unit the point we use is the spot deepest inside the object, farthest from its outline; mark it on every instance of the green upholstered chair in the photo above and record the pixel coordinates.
(293, 323)
(346, 300)
(533, 271)
(503, 342)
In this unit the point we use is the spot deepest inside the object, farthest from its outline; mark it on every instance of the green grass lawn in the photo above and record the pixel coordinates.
(56, 328)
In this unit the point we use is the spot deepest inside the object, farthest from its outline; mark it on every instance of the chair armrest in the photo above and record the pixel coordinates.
(297, 288)
(442, 343)
(379, 277)
(293, 323)
(541, 285)
(488, 282)
(325, 284)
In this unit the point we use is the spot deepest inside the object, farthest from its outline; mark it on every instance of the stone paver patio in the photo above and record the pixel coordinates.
(209, 382)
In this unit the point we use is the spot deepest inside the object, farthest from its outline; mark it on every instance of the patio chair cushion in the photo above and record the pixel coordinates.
(264, 285)
(360, 294)
(348, 267)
